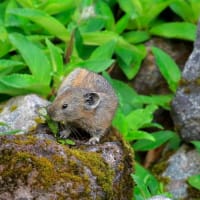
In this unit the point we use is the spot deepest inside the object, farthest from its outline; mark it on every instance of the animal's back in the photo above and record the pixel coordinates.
(86, 79)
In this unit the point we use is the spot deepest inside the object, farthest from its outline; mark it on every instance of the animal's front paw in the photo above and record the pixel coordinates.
(93, 140)
(64, 134)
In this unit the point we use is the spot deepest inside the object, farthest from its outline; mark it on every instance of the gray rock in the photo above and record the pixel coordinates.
(186, 104)
(159, 197)
(181, 165)
(39, 168)
(20, 113)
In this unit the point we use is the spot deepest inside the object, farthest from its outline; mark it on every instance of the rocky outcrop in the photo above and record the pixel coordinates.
(176, 169)
(186, 104)
(35, 166)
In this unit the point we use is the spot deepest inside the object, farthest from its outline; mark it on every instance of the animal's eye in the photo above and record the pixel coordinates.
(64, 106)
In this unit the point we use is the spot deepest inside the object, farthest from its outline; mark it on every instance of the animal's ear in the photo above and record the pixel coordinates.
(92, 100)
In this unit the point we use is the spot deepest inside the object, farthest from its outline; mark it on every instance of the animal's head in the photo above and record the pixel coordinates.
(74, 104)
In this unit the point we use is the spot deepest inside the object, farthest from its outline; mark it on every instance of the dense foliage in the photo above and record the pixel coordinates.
(42, 41)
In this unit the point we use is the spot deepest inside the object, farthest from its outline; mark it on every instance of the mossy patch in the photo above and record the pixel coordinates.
(13, 108)
(32, 162)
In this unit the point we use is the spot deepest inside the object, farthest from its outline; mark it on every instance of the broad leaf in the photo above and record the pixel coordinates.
(161, 137)
(104, 51)
(10, 66)
(136, 36)
(177, 30)
(34, 58)
(41, 18)
(56, 58)
(167, 67)
(139, 118)
(139, 135)
(194, 181)
(17, 84)
(96, 65)
(197, 145)
(107, 14)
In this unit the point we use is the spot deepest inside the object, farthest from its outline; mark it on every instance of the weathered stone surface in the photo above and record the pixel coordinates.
(179, 167)
(186, 104)
(159, 197)
(20, 113)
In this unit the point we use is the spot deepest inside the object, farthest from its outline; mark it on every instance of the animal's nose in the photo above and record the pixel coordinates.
(49, 110)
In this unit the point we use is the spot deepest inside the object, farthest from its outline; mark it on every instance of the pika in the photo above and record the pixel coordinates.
(84, 100)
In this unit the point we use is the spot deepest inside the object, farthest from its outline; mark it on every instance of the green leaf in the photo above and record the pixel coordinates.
(194, 181)
(125, 94)
(10, 66)
(185, 10)
(57, 6)
(167, 67)
(139, 118)
(139, 135)
(17, 84)
(98, 37)
(120, 123)
(155, 8)
(104, 51)
(107, 14)
(10, 132)
(96, 65)
(161, 137)
(66, 141)
(129, 59)
(159, 100)
(34, 58)
(121, 24)
(146, 183)
(4, 41)
(44, 20)
(197, 145)
(136, 36)
(176, 30)
(56, 58)
(133, 8)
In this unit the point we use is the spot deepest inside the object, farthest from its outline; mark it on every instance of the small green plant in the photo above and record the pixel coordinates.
(146, 184)
(187, 10)
(194, 181)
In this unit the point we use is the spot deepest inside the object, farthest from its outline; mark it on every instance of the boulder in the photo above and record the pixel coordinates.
(35, 166)
(186, 103)
(176, 169)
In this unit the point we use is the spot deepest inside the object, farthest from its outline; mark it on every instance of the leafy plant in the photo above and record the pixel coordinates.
(146, 184)
(197, 145)
(187, 10)
(168, 68)
(194, 181)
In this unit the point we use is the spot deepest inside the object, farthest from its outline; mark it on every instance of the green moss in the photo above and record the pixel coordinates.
(39, 120)
(183, 82)
(13, 108)
(55, 169)
(1, 109)
(20, 165)
(27, 141)
(197, 81)
(187, 90)
(98, 167)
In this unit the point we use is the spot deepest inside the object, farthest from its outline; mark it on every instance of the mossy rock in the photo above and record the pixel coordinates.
(40, 168)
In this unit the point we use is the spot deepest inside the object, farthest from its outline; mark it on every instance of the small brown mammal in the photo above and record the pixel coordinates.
(85, 100)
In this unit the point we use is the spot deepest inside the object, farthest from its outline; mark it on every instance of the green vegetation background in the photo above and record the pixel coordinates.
(41, 41)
